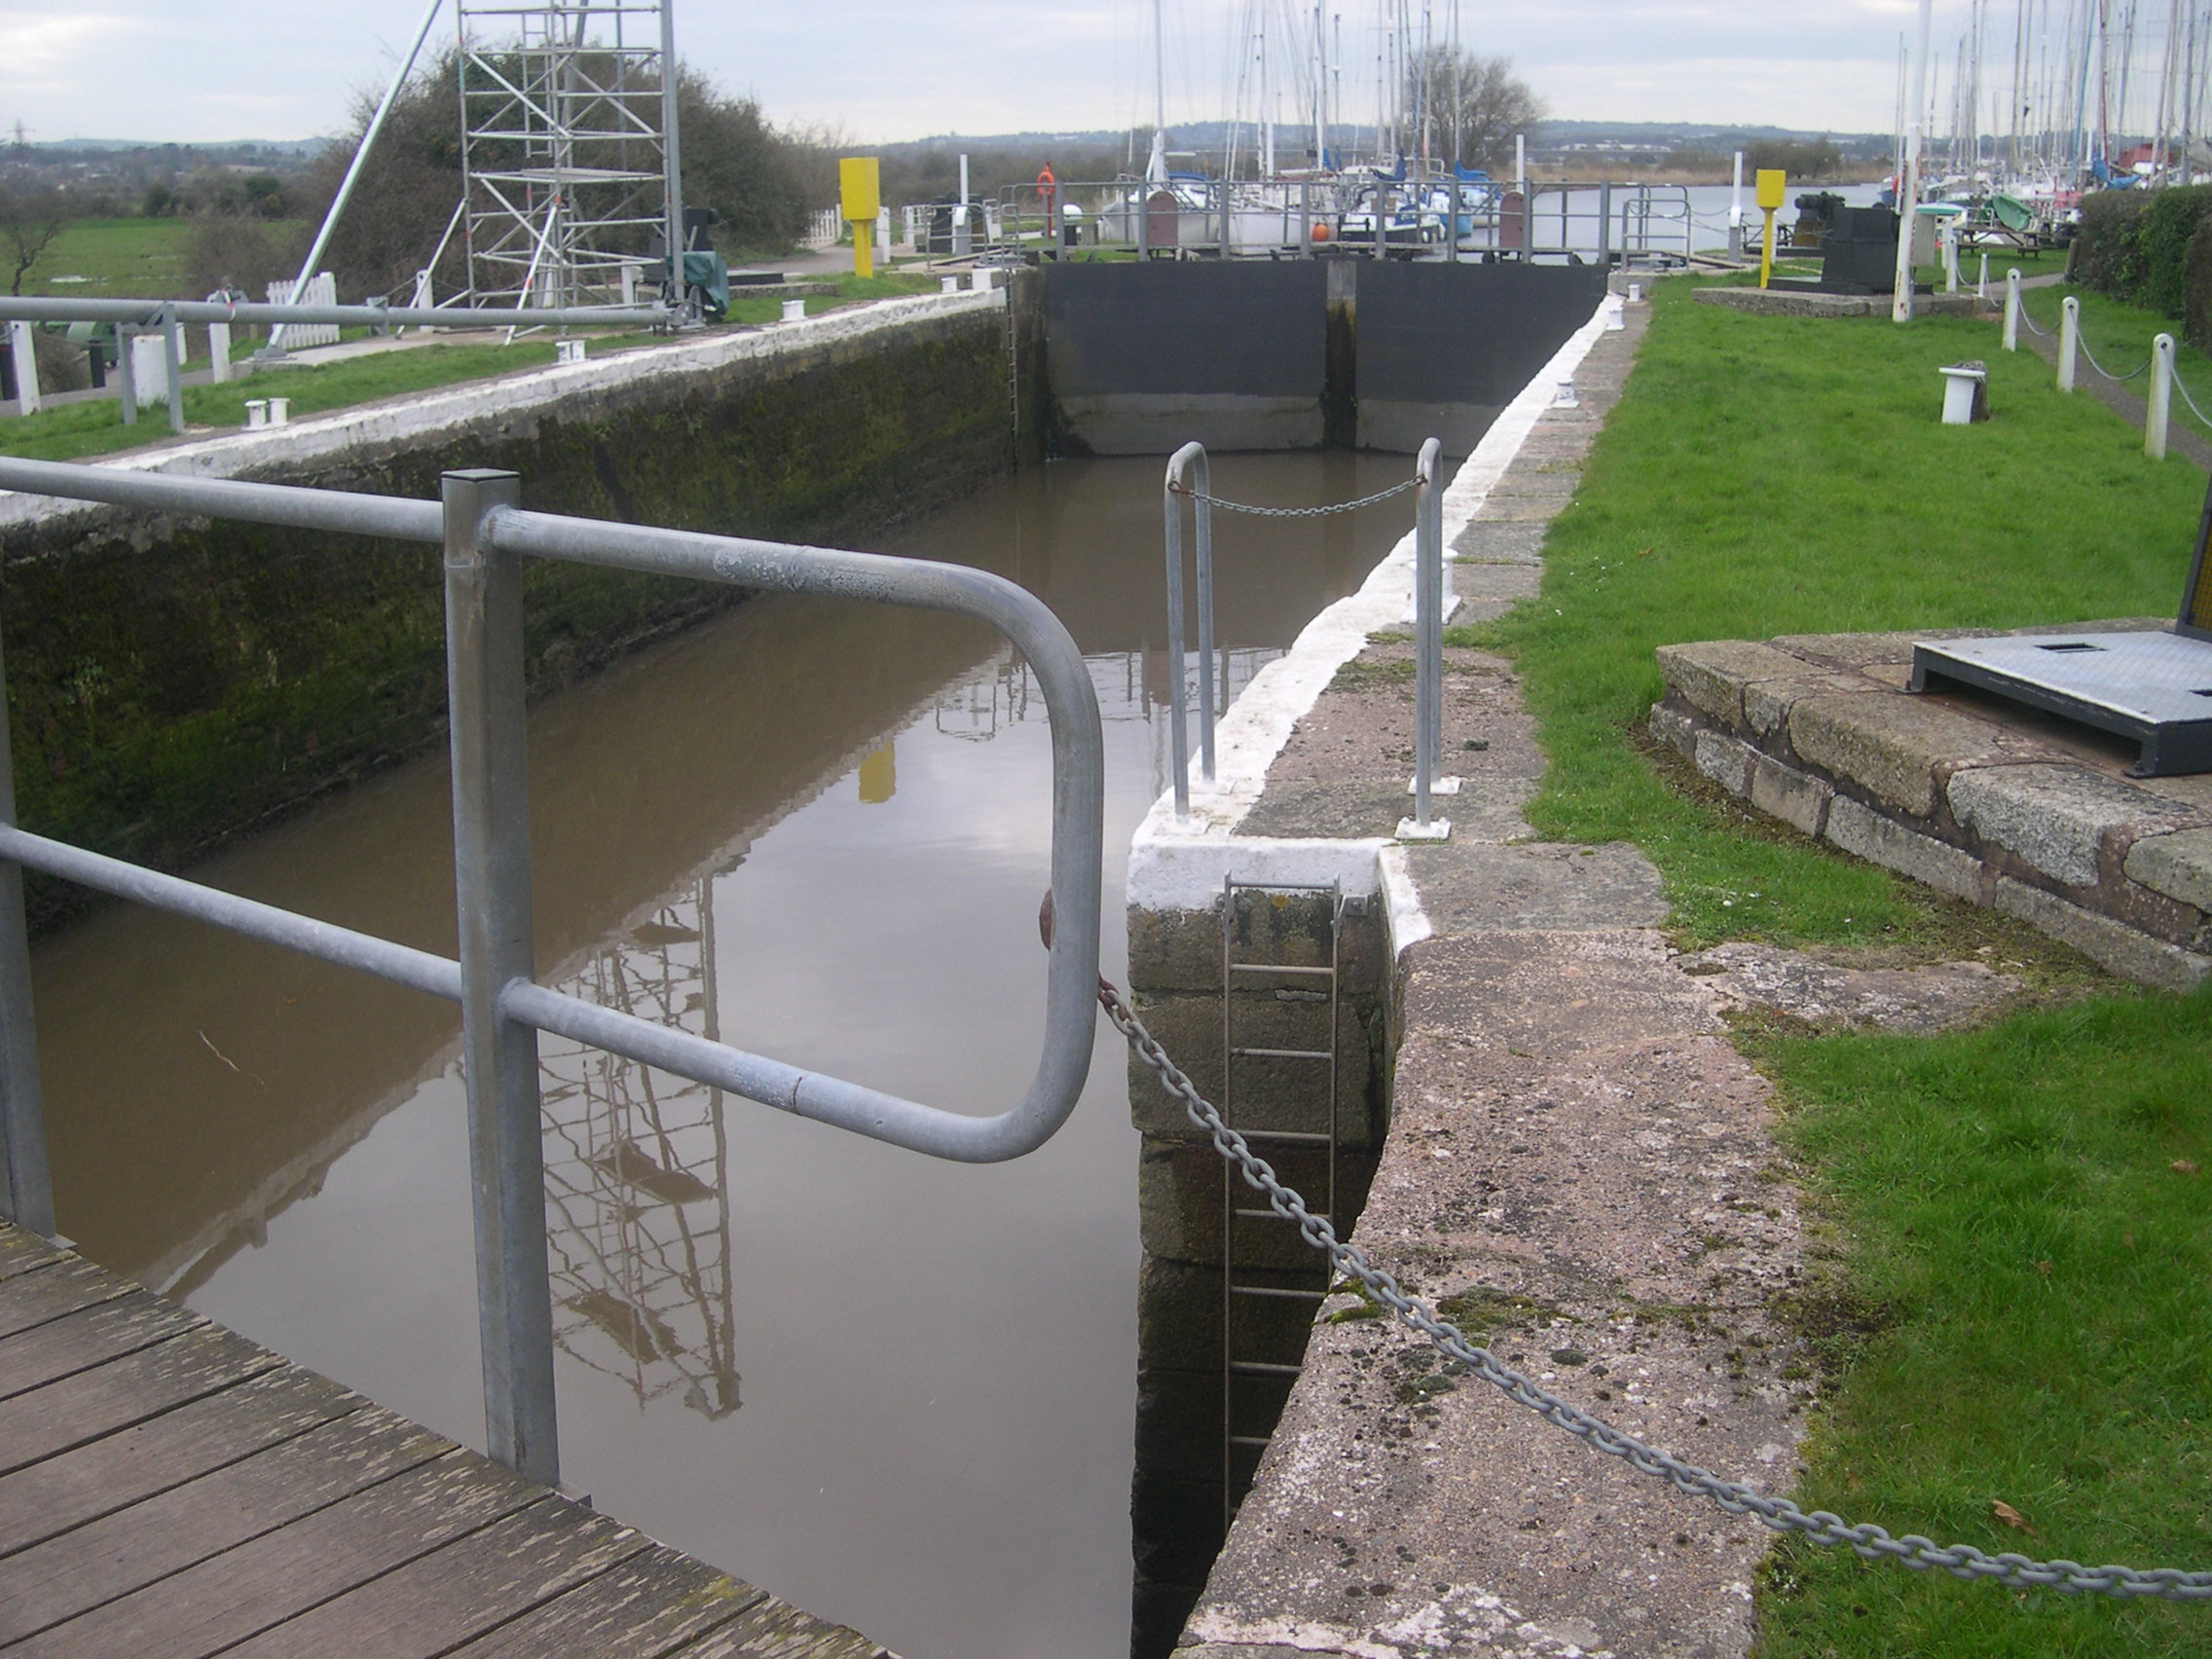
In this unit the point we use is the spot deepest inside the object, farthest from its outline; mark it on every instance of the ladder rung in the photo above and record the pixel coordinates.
(1255, 1214)
(1283, 1054)
(1272, 967)
(1261, 1368)
(1251, 1440)
(1291, 1137)
(1270, 1290)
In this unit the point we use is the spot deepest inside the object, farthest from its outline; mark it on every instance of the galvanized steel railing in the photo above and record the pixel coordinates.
(485, 535)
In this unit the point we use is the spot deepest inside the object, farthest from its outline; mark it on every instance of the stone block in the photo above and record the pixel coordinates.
(1179, 1316)
(1676, 729)
(1710, 673)
(1495, 583)
(2111, 944)
(2178, 864)
(2056, 819)
(1797, 799)
(1723, 759)
(1864, 650)
(1269, 1094)
(1767, 702)
(1180, 951)
(1179, 1193)
(1889, 746)
(1862, 831)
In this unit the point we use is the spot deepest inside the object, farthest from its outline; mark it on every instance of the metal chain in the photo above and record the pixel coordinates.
(2039, 333)
(1869, 1541)
(1295, 512)
(2181, 386)
(2117, 379)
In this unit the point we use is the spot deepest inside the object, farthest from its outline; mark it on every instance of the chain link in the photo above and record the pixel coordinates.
(2039, 333)
(2181, 386)
(1869, 1541)
(2117, 379)
(1295, 512)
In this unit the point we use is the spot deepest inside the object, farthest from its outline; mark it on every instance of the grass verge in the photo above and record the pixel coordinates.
(2009, 1286)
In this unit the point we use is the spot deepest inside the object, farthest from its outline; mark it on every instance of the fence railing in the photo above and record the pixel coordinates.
(2161, 365)
(485, 535)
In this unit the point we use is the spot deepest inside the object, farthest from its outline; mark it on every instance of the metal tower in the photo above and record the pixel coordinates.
(568, 147)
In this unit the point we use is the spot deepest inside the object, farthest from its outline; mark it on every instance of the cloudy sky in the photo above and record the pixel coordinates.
(887, 69)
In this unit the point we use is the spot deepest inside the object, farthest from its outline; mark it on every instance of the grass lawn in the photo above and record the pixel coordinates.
(72, 431)
(2011, 1274)
(118, 258)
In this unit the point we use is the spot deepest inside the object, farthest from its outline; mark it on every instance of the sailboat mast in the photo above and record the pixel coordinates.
(1267, 106)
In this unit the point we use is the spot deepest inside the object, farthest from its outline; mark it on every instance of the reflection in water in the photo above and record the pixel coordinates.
(934, 1363)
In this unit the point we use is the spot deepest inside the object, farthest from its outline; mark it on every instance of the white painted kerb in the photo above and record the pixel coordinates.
(1180, 864)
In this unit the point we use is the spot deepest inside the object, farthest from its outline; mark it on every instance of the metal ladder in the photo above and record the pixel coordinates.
(1237, 1206)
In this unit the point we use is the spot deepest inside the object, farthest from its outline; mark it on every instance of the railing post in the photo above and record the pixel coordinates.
(491, 824)
(2069, 341)
(1428, 647)
(2160, 408)
(127, 375)
(22, 1114)
(1188, 469)
(172, 358)
(2012, 308)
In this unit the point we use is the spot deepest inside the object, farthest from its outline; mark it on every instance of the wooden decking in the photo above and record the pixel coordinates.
(169, 1489)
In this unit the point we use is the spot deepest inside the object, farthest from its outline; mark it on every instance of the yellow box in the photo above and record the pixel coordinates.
(859, 190)
(1771, 184)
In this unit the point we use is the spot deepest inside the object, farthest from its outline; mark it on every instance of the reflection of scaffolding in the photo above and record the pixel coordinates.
(975, 708)
(562, 152)
(635, 1177)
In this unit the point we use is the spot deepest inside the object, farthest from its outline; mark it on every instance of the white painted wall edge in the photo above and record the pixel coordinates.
(430, 417)
(1180, 863)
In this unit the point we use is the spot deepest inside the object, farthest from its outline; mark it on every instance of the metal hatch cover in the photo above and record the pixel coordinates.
(2153, 686)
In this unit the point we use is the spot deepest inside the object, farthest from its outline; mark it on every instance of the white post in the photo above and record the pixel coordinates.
(22, 347)
(1521, 165)
(1735, 209)
(962, 233)
(883, 233)
(1909, 187)
(1950, 234)
(148, 380)
(219, 352)
(1981, 280)
(2011, 308)
(2161, 397)
(2069, 341)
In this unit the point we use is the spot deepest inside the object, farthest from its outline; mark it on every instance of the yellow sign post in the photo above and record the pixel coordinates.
(1771, 183)
(861, 192)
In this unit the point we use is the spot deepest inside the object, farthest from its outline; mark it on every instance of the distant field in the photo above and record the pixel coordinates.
(118, 258)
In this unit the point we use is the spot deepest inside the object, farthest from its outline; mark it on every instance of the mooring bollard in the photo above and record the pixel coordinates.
(2012, 309)
(219, 352)
(567, 351)
(979, 281)
(1428, 653)
(1964, 399)
(1564, 397)
(256, 413)
(279, 411)
(2069, 341)
(795, 310)
(2159, 407)
(949, 284)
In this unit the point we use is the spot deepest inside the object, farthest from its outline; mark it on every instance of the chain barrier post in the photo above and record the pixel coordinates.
(490, 831)
(2159, 411)
(1428, 647)
(2069, 341)
(172, 359)
(1189, 461)
(28, 1189)
(2012, 308)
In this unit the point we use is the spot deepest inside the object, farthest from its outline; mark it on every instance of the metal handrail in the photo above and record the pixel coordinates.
(151, 314)
(1190, 473)
(485, 534)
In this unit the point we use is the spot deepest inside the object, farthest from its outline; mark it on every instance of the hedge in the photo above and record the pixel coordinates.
(2150, 249)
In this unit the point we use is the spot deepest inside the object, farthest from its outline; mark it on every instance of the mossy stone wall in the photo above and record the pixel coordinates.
(174, 683)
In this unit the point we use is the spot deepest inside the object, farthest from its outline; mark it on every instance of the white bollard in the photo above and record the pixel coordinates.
(795, 310)
(279, 411)
(219, 352)
(979, 281)
(1564, 397)
(2162, 400)
(150, 369)
(883, 233)
(2012, 308)
(567, 351)
(256, 413)
(1981, 280)
(1634, 292)
(1615, 316)
(949, 284)
(1951, 256)
(2069, 341)
(23, 345)
(1960, 387)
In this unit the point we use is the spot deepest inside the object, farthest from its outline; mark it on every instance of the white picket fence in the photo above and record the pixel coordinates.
(321, 290)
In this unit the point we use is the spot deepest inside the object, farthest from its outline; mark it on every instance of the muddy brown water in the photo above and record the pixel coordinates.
(897, 1391)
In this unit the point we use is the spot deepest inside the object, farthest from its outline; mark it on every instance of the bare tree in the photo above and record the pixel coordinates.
(1471, 106)
(30, 218)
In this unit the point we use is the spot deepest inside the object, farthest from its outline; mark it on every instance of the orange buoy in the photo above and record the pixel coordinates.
(1320, 233)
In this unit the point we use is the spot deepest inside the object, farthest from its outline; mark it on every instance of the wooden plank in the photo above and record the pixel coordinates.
(777, 1629)
(110, 1558)
(78, 1342)
(62, 1287)
(262, 1582)
(463, 1590)
(42, 1423)
(134, 1462)
(22, 1251)
(649, 1607)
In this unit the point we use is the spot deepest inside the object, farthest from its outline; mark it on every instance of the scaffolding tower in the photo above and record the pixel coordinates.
(568, 148)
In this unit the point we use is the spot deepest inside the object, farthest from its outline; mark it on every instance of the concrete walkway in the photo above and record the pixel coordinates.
(1578, 1164)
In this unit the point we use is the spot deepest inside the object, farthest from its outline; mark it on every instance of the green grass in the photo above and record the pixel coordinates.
(72, 431)
(2120, 338)
(2024, 1321)
(1775, 475)
(122, 258)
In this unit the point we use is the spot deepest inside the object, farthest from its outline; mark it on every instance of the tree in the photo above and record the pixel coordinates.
(1472, 105)
(30, 218)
